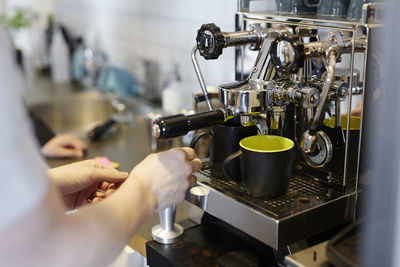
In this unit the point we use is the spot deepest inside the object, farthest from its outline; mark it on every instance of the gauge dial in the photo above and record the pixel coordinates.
(323, 154)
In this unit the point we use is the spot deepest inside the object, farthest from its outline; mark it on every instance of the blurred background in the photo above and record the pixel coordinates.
(146, 45)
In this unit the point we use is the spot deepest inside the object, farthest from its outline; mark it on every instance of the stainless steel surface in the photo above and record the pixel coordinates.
(167, 236)
(155, 131)
(199, 196)
(323, 22)
(308, 208)
(321, 198)
(254, 37)
(167, 232)
(242, 98)
(200, 76)
(285, 53)
(167, 217)
(321, 155)
(317, 198)
(262, 64)
(315, 49)
(308, 142)
(314, 256)
(332, 57)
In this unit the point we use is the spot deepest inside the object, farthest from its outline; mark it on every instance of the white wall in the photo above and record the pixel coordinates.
(160, 30)
(43, 7)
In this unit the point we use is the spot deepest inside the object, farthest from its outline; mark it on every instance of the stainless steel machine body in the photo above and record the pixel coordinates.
(296, 88)
(321, 195)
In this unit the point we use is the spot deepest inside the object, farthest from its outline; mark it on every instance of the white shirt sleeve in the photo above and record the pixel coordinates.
(22, 170)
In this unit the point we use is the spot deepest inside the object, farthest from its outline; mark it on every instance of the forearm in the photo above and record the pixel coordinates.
(111, 223)
(92, 236)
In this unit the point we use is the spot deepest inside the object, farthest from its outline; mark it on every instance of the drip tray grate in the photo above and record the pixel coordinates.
(302, 194)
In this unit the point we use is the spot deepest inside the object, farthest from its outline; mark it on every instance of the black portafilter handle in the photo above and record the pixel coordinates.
(178, 125)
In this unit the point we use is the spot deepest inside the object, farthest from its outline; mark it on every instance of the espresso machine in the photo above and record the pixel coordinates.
(305, 74)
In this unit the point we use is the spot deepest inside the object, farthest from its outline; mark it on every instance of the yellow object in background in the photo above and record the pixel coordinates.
(355, 122)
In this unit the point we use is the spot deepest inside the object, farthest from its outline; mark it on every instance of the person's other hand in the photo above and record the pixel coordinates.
(79, 182)
(64, 146)
(167, 175)
(105, 190)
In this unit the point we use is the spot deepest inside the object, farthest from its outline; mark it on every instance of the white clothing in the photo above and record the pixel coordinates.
(22, 170)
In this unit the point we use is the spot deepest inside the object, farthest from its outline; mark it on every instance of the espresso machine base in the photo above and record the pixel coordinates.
(308, 208)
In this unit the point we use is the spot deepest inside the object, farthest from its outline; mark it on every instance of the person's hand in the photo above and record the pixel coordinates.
(105, 189)
(167, 175)
(79, 182)
(64, 146)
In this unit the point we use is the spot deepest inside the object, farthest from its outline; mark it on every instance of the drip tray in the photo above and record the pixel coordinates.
(309, 207)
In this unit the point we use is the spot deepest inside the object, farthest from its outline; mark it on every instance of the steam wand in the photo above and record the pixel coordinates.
(309, 139)
(200, 77)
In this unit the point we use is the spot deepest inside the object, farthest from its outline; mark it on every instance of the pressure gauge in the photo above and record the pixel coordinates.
(323, 153)
(287, 53)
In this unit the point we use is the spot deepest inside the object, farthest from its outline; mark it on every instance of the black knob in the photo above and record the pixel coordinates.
(210, 41)
(287, 53)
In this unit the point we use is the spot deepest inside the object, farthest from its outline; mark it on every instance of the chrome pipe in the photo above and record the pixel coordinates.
(200, 77)
(326, 89)
(309, 139)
